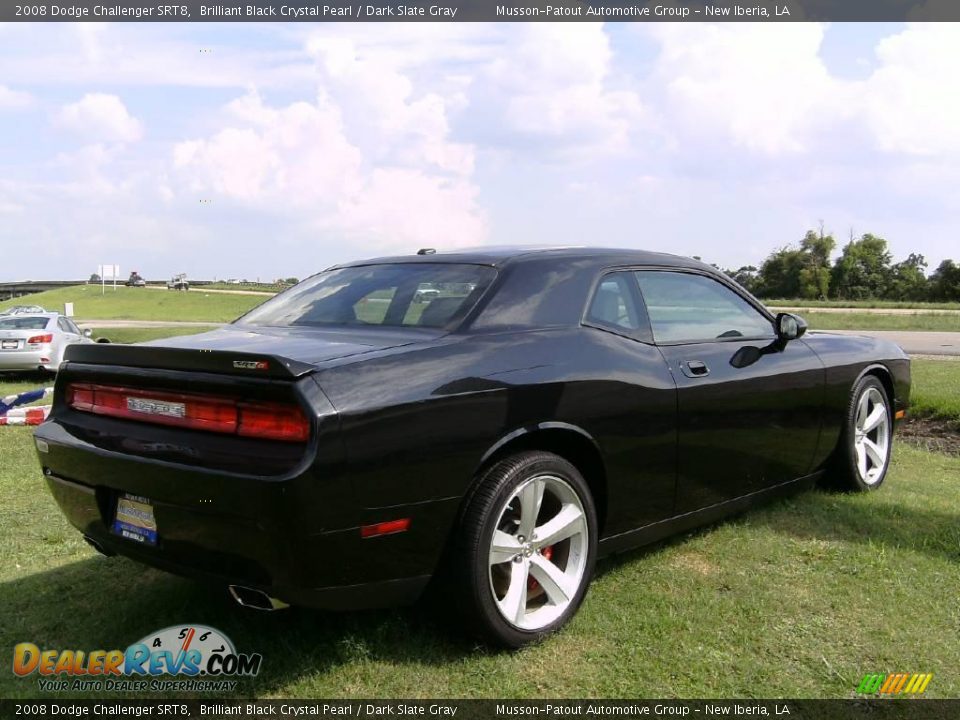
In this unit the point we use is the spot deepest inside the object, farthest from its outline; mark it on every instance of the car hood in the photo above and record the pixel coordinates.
(309, 345)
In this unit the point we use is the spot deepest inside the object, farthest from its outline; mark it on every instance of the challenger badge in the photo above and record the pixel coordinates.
(251, 364)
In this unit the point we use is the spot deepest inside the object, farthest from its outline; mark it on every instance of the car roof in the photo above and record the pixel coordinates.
(498, 256)
(21, 316)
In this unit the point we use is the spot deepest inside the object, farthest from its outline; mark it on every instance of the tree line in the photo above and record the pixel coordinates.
(864, 270)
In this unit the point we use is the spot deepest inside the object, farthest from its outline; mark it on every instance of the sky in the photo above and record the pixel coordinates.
(260, 151)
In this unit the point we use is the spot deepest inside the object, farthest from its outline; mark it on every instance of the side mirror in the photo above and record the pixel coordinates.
(790, 326)
(88, 333)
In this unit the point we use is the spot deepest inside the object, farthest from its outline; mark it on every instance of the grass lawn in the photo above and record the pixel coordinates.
(867, 321)
(797, 302)
(142, 304)
(135, 335)
(936, 389)
(798, 599)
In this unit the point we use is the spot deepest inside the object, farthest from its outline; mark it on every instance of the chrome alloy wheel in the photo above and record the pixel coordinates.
(872, 435)
(538, 552)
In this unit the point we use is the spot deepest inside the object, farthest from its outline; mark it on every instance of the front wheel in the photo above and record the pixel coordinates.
(527, 548)
(867, 440)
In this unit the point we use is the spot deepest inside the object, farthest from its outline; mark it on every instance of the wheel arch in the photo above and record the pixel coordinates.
(572, 443)
(883, 374)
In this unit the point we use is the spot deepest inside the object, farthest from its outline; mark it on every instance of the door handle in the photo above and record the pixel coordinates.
(694, 368)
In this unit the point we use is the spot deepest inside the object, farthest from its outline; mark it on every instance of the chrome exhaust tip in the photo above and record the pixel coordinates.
(98, 547)
(255, 599)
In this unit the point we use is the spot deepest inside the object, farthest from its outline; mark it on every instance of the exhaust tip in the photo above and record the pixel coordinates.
(255, 599)
(98, 547)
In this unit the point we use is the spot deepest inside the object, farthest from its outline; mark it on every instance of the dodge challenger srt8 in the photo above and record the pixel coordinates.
(356, 435)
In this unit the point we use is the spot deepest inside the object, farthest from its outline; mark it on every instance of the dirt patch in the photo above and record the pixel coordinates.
(931, 434)
(696, 562)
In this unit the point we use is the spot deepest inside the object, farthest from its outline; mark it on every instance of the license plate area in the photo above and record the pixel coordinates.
(10, 344)
(134, 519)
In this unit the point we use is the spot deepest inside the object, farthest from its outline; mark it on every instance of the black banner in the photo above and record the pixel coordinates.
(479, 11)
(487, 709)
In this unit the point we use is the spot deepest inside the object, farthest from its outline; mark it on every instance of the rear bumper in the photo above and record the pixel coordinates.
(25, 359)
(296, 538)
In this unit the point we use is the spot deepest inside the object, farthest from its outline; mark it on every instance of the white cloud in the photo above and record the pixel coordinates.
(383, 102)
(99, 117)
(554, 82)
(297, 159)
(14, 99)
(292, 156)
(403, 209)
(912, 104)
(763, 86)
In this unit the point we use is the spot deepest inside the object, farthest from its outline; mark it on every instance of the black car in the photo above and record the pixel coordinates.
(342, 444)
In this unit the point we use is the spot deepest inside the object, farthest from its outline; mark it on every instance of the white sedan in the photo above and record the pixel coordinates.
(38, 341)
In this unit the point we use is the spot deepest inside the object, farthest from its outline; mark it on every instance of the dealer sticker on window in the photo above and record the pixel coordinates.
(134, 519)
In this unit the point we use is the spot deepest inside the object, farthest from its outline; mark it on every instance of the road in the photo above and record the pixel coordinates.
(203, 289)
(803, 310)
(915, 342)
(84, 324)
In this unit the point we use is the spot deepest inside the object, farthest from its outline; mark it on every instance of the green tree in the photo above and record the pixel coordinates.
(908, 279)
(798, 272)
(780, 273)
(862, 270)
(945, 282)
(815, 273)
(748, 276)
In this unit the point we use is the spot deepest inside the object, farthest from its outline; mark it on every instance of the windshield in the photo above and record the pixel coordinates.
(23, 323)
(428, 295)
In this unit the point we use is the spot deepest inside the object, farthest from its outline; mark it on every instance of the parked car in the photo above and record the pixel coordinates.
(23, 310)
(425, 294)
(178, 282)
(567, 404)
(37, 341)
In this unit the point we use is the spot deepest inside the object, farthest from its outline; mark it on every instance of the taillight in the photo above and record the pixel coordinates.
(230, 416)
(40, 340)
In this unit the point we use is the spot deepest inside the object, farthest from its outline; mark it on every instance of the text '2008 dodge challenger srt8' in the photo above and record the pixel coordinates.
(497, 418)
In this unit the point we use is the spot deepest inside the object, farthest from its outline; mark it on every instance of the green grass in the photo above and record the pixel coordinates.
(795, 600)
(936, 389)
(135, 335)
(798, 302)
(867, 321)
(142, 304)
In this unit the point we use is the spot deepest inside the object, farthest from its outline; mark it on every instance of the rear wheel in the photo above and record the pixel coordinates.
(867, 441)
(527, 548)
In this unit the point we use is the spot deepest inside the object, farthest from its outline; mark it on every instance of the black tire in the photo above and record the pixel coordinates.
(846, 473)
(474, 577)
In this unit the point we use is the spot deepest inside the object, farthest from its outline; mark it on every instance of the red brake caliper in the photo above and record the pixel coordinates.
(532, 583)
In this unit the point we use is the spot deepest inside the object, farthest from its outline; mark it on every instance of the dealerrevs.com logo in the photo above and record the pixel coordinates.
(181, 657)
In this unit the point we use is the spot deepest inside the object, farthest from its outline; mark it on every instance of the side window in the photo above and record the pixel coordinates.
(614, 305)
(64, 327)
(685, 307)
(73, 328)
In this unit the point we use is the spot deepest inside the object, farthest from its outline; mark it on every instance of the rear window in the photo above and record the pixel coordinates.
(24, 323)
(428, 295)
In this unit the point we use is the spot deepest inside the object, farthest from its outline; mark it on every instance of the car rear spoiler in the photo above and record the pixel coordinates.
(215, 361)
